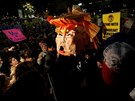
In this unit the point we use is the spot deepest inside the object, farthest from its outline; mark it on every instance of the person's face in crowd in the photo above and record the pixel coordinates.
(87, 56)
(14, 61)
(1, 62)
(43, 47)
(73, 42)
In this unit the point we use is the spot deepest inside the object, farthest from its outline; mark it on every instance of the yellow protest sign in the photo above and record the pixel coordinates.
(111, 24)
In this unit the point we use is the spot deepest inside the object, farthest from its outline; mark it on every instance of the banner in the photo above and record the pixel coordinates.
(111, 24)
(14, 35)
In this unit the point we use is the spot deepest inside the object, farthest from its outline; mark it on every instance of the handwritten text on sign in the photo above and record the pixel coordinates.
(14, 35)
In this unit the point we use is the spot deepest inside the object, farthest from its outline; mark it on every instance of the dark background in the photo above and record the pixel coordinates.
(60, 6)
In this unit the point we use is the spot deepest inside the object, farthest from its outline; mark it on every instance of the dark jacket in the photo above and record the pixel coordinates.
(29, 82)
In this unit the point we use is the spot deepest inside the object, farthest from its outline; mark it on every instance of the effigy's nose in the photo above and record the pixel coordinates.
(64, 39)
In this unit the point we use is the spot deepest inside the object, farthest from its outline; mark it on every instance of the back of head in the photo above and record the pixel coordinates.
(118, 65)
(29, 82)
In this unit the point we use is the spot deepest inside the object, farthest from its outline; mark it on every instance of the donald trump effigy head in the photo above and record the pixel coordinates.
(75, 32)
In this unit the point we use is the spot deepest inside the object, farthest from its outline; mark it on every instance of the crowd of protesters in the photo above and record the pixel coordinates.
(32, 67)
(19, 59)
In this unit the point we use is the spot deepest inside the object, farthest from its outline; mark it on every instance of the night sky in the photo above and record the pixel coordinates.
(11, 6)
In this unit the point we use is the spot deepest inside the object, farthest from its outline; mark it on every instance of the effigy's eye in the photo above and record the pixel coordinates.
(68, 34)
(59, 35)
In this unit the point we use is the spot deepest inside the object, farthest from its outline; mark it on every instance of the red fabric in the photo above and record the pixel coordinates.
(108, 74)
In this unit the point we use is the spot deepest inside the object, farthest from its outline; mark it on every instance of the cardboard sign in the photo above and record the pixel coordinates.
(111, 24)
(14, 35)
